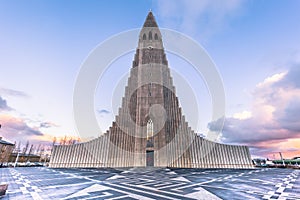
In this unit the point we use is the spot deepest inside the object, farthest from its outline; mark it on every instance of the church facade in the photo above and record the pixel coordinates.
(150, 129)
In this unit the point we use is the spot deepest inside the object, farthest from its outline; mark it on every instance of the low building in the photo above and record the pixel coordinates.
(6, 149)
(24, 158)
(293, 161)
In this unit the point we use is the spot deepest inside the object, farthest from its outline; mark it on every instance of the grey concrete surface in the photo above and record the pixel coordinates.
(150, 183)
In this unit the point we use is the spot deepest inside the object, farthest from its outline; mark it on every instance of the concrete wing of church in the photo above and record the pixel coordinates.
(150, 129)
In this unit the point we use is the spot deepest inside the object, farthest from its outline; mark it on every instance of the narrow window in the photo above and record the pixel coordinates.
(144, 37)
(149, 129)
(156, 36)
(149, 88)
(150, 35)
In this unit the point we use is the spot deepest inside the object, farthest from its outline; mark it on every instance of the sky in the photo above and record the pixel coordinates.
(254, 45)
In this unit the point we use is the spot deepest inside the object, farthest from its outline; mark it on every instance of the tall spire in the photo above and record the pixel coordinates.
(150, 20)
(150, 38)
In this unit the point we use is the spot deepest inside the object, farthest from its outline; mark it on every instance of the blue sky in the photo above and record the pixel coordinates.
(44, 43)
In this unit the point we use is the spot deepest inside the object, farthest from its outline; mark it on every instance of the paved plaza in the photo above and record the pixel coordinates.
(150, 183)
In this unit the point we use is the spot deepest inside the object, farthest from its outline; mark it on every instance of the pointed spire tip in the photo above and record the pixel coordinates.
(150, 20)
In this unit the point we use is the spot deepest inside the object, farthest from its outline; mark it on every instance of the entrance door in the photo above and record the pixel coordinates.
(150, 158)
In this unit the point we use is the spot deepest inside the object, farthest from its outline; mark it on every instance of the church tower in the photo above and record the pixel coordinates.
(153, 105)
(150, 129)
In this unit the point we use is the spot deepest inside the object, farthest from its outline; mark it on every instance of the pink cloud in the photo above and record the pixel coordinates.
(273, 118)
(14, 128)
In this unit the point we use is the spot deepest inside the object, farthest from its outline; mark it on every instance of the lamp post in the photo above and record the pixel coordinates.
(17, 158)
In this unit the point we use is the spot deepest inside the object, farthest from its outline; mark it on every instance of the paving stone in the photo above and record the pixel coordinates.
(150, 183)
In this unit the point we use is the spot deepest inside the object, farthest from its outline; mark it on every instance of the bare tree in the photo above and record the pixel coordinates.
(70, 141)
(19, 146)
(38, 149)
(29, 152)
(25, 148)
(42, 152)
(65, 140)
(53, 141)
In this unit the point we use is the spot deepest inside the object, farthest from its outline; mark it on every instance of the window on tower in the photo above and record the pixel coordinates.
(149, 89)
(150, 35)
(149, 133)
(144, 37)
(149, 129)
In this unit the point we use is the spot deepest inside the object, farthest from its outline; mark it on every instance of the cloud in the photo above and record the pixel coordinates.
(243, 115)
(3, 105)
(20, 128)
(13, 92)
(273, 119)
(47, 125)
(187, 15)
(103, 111)
(14, 128)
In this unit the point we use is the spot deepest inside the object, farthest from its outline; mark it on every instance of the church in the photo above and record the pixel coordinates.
(150, 129)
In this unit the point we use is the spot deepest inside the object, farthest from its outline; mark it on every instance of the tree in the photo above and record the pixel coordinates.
(19, 146)
(53, 141)
(25, 148)
(38, 149)
(29, 152)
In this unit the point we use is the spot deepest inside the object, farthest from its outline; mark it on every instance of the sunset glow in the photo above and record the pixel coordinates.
(256, 50)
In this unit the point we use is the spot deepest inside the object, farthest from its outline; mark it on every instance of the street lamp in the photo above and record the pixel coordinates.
(17, 158)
